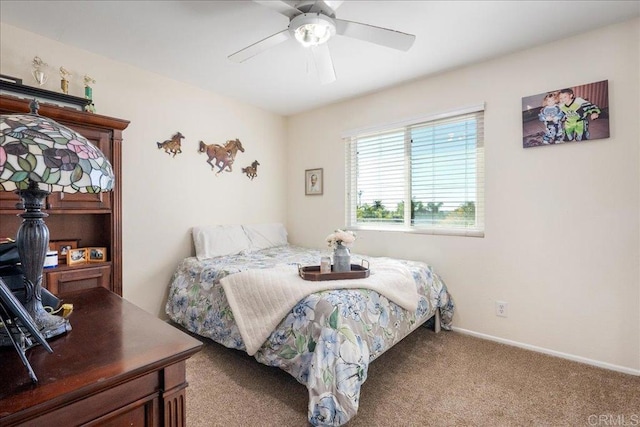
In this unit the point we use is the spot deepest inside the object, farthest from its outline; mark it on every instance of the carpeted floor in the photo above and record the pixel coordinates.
(428, 379)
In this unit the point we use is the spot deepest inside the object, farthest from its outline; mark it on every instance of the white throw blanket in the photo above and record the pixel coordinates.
(261, 298)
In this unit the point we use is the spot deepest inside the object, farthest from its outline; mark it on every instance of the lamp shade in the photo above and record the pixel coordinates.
(37, 149)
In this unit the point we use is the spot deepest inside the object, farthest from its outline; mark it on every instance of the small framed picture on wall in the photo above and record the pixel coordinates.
(313, 182)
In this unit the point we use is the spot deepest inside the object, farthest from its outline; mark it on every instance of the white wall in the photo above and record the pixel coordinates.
(163, 197)
(562, 242)
(562, 235)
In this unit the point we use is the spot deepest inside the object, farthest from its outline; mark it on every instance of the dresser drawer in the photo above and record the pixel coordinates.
(61, 281)
(118, 366)
(134, 403)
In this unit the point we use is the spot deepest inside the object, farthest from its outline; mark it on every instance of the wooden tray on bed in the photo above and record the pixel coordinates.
(312, 272)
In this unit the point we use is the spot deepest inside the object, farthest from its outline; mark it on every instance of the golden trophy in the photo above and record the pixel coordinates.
(64, 83)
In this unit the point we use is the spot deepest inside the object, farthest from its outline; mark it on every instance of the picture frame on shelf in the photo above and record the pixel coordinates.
(96, 254)
(63, 247)
(313, 182)
(77, 256)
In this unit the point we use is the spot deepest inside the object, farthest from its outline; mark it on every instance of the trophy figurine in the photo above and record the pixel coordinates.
(38, 70)
(88, 91)
(64, 83)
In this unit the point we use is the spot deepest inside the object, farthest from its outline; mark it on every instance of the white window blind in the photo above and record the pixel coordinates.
(434, 166)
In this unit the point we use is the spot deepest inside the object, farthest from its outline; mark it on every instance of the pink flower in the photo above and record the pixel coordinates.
(342, 237)
(83, 150)
(3, 158)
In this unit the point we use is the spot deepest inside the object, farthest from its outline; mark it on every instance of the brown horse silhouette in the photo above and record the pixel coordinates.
(251, 171)
(224, 156)
(173, 145)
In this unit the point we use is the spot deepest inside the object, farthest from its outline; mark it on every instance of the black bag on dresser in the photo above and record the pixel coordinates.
(9, 254)
(12, 274)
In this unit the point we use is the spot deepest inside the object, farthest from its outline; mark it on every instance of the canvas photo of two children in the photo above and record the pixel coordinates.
(572, 114)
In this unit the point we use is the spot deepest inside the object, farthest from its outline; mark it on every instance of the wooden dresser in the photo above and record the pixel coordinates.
(119, 366)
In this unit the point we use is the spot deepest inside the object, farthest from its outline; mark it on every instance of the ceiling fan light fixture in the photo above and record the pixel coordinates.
(312, 29)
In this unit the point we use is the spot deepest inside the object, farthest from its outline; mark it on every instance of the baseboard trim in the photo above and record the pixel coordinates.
(572, 357)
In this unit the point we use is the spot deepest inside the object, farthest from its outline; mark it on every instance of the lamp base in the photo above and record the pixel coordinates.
(49, 324)
(27, 341)
(33, 242)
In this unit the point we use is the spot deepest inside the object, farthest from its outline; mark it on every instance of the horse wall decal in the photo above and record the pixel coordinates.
(224, 155)
(251, 171)
(173, 145)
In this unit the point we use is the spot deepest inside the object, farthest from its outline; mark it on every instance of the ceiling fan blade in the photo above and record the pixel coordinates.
(315, 7)
(326, 7)
(378, 35)
(280, 6)
(324, 64)
(333, 4)
(259, 47)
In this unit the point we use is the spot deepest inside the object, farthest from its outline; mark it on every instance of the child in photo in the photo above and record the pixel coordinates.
(552, 116)
(578, 113)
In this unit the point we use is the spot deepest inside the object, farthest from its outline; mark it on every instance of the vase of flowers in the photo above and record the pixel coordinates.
(339, 241)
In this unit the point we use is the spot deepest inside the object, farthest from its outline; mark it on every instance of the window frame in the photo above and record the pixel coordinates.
(406, 126)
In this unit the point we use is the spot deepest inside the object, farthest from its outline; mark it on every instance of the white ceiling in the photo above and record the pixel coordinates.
(189, 41)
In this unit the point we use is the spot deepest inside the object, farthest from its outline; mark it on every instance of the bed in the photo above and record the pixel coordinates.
(325, 339)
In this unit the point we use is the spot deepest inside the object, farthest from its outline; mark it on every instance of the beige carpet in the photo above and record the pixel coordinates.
(428, 379)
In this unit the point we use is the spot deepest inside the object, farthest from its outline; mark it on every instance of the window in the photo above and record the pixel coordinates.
(435, 166)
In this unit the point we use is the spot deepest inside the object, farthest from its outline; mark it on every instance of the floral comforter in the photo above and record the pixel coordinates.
(329, 338)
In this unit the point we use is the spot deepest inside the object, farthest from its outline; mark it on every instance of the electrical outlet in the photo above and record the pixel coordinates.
(501, 308)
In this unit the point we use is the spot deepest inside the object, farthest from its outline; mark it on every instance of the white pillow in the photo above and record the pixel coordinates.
(263, 236)
(219, 240)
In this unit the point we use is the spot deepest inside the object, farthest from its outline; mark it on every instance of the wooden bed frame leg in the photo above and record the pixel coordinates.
(436, 323)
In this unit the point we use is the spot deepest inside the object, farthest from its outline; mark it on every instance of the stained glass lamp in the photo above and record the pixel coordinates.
(39, 156)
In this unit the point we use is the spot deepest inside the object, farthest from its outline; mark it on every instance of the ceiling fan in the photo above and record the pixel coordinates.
(313, 23)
